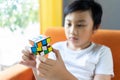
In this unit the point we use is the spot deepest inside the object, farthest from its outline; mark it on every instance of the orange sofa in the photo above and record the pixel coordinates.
(109, 38)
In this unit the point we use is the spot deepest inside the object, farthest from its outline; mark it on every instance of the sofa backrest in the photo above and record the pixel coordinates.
(110, 38)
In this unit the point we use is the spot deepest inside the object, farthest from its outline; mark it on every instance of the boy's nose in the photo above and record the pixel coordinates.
(73, 30)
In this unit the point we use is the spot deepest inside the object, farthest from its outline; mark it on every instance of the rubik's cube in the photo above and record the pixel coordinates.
(40, 45)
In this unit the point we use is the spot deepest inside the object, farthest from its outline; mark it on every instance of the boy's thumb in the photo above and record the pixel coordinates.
(57, 54)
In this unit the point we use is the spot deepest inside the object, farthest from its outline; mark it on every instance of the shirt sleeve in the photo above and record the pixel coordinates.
(105, 64)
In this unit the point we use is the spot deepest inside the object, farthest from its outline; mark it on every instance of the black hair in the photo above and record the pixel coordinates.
(84, 5)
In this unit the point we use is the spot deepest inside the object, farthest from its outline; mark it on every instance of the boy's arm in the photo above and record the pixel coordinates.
(102, 77)
(36, 75)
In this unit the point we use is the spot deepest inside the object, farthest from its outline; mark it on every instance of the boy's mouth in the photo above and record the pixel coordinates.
(73, 38)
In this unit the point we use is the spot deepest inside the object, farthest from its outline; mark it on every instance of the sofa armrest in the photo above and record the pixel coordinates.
(17, 72)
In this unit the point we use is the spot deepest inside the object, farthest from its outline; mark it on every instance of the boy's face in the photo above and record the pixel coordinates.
(78, 29)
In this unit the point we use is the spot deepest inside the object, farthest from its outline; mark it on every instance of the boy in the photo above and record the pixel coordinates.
(77, 58)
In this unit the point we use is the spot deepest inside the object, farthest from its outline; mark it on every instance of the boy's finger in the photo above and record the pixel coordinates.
(27, 48)
(26, 53)
(28, 63)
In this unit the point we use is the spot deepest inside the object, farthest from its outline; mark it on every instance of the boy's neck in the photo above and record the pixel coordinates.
(71, 46)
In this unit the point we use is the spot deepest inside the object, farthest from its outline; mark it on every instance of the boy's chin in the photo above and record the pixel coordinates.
(73, 43)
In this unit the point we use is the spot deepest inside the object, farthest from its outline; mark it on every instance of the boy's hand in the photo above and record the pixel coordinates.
(53, 69)
(28, 58)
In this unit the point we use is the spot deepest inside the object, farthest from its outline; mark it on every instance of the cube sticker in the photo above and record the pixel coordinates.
(40, 45)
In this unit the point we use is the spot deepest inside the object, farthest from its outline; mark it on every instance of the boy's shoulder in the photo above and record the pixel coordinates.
(101, 48)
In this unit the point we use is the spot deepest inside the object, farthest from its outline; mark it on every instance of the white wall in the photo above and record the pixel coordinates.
(111, 14)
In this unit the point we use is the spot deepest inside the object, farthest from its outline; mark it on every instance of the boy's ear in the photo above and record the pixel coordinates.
(95, 30)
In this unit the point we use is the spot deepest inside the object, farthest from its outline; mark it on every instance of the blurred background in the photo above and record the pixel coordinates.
(23, 19)
(18, 21)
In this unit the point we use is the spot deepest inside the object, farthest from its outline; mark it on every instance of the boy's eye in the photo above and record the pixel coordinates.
(80, 25)
(68, 24)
